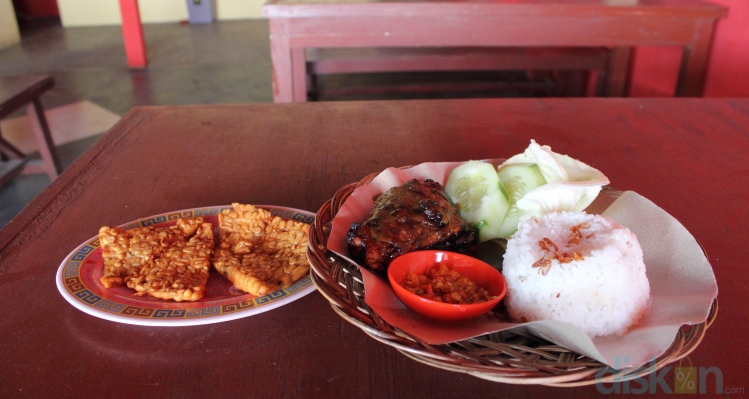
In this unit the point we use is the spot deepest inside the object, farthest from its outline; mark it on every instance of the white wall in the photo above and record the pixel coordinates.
(8, 26)
(239, 9)
(107, 12)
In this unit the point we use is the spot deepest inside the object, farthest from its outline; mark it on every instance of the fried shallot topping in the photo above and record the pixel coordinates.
(551, 251)
(577, 235)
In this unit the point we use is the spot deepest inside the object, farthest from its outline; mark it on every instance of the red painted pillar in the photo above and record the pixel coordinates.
(132, 33)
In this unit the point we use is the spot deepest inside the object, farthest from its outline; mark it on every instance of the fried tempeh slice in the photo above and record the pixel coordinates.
(148, 244)
(115, 243)
(126, 251)
(142, 257)
(181, 272)
(260, 253)
(188, 226)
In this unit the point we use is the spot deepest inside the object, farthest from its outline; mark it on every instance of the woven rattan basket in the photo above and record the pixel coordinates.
(508, 356)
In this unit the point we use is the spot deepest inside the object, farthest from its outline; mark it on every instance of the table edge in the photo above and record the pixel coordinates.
(275, 9)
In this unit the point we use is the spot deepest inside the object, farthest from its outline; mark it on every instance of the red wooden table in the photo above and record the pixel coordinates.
(296, 25)
(686, 155)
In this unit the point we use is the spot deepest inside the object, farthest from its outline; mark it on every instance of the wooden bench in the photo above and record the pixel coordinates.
(24, 91)
(573, 65)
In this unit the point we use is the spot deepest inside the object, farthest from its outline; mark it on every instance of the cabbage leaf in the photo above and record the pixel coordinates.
(570, 184)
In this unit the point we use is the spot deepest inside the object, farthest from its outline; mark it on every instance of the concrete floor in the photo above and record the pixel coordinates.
(226, 62)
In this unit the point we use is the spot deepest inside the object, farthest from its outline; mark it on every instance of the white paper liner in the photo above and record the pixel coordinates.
(682, 283)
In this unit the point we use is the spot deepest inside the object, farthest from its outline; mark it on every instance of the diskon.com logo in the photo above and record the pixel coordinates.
(687, 379)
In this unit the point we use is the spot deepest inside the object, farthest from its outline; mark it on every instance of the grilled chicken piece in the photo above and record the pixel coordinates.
(407, 218)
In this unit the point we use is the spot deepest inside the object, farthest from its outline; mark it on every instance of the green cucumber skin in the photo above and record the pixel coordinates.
(517, 179)
(486, 215)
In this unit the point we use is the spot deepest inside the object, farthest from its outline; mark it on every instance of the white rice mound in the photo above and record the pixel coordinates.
(604, 293)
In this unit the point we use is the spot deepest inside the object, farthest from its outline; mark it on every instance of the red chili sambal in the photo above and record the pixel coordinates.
(443, 284)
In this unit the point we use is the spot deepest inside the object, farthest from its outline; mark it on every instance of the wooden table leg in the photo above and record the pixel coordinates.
(12, 161)
(50, 159)
(280, 55)
(694, 59)
(132, 33)
(289, 69)
(8, 148)
(617, 73)
(299, 74)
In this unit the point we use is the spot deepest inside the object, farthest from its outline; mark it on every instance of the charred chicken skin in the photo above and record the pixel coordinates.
(413, 216)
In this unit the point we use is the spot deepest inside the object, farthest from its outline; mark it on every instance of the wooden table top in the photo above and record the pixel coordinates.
(686, 155)
(676, 8)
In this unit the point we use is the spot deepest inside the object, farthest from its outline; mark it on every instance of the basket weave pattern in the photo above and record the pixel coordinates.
(507, 356)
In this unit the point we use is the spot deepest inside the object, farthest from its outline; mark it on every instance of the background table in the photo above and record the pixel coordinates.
(687, 155)
(25, 91)
(296, 25)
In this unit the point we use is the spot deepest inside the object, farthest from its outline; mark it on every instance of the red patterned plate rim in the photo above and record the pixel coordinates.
(78, 282)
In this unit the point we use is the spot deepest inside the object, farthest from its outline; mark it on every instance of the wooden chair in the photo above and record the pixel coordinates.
(24, 91)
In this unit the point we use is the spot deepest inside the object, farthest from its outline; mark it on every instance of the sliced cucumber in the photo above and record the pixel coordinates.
(475, 188)
(517, 179)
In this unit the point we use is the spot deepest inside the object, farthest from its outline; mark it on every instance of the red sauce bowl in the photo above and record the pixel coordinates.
(419, 262)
